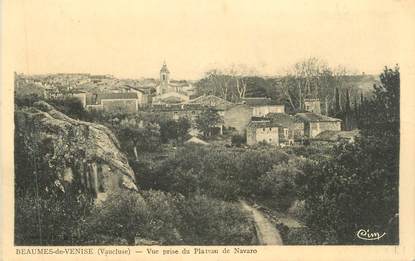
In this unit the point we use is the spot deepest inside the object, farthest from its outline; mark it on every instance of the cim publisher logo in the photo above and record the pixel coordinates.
(366, 234)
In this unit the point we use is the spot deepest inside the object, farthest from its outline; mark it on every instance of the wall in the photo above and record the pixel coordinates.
(120, 105)
(264, 110)
(312, 105)
(250, 136)
(269, 135)
(238, 117)
(298, 129)
(256, 135)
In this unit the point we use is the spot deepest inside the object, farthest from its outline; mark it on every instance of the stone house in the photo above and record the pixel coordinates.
(239, 115)
(294, 126)
(261, 106)
(262, 131)
(315, 123)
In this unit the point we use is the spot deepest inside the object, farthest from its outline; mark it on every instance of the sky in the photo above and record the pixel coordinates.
(131, 39)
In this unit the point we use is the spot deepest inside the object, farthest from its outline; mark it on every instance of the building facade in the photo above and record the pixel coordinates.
(262, 131)
(261, 106)
(315, 123)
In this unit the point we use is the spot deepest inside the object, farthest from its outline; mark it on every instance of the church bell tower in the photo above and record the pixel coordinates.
(164, 79)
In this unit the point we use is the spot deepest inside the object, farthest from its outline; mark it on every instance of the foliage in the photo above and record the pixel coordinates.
(70, 106)
(238, 139)
(129, 214)
(139, 139)
(215, 171)
(278, 185)
(358, 187)
(177, 130)
(168, 218)
(50, 220)
(212, 222)
(207, 120)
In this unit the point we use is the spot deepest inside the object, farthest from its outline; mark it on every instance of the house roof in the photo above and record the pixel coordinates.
(263, 124)
(177, 107)
(96, 98)
(212, 101)
(314, 117)
(283, 119)
(259, 101)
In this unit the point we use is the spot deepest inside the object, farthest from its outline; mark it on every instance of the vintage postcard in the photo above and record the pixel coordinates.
(215, 130)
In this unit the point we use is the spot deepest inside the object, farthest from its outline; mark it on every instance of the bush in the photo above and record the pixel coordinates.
(50, 220)
(128, 215)
(238, 140)
(278, 185)
(212, 222)
(165, 218)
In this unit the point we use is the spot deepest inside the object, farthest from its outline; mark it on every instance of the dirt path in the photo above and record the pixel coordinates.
(266, 231)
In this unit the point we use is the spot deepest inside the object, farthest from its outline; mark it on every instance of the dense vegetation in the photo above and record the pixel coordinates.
(358, 187)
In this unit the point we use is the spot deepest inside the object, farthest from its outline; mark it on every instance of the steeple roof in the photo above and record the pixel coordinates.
(164, 68)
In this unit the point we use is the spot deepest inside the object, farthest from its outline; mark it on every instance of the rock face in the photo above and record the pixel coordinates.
(78, 152)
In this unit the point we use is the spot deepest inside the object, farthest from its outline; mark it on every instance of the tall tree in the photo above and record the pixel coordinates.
(358, 187)
(208, 120)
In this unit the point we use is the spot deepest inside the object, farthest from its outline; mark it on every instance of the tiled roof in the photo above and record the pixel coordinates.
(283, 118)
(314, 117)
(122, 95)
(212, 101)
(177, 107)
(96, 98)
(258, 101)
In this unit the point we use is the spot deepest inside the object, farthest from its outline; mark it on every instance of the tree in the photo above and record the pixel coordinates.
(70, 106)
(215, 83)
(208, 120)
(135, 139)
(171, 129)
(183, 127)
(358, 187)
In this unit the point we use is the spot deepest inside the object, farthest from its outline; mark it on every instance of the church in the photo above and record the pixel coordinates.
(167, 92)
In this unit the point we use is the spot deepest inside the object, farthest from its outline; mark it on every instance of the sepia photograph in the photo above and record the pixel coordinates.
(206, 123)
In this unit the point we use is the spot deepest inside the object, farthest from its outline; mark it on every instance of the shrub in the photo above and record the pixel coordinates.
(213, 222)
(129, 215)
(238, 140)
(278, 185)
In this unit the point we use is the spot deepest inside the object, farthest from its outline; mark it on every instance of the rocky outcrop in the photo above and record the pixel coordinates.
(84, 153)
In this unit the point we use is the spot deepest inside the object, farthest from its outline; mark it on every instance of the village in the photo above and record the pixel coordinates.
(255, 119)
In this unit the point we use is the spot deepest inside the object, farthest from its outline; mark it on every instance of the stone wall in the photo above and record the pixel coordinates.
(120, 105)
(268, 135)
(238, 117)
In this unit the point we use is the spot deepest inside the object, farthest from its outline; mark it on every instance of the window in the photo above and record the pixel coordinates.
(164, 77)
(269, 128)
(263, 129)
